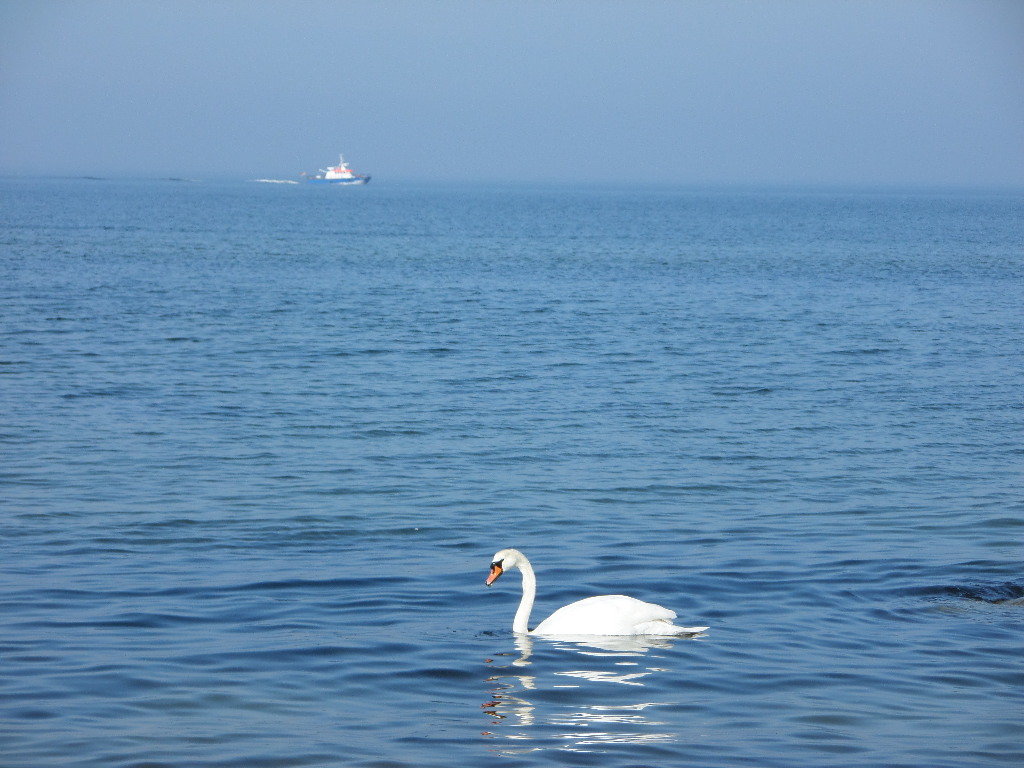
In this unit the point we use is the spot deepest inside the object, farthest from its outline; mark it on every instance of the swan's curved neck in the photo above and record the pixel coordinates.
(520, 624)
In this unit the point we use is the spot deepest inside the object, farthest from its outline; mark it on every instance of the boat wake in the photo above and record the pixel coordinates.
(275, 181)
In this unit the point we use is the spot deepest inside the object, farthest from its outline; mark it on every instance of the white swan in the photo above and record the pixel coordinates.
(601, 615)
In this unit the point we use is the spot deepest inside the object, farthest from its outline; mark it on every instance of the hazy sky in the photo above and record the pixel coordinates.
(733, 91)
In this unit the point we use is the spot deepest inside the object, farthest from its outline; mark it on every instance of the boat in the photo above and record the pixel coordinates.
(338, 174)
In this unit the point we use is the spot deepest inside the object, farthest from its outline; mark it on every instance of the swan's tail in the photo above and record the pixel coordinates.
(689, 630)
(666, 628)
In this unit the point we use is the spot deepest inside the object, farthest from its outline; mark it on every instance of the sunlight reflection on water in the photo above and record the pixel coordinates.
(521, 704)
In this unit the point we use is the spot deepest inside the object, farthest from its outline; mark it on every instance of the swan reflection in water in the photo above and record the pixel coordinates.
(560, 708)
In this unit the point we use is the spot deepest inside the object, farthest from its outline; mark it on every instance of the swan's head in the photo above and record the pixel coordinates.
(501, 562)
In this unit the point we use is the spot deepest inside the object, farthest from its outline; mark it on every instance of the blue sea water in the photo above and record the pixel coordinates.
(259, 443)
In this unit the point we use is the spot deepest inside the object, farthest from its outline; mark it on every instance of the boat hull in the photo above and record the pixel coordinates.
(356, 180)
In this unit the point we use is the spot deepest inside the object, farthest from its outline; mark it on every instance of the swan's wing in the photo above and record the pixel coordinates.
(612, 615)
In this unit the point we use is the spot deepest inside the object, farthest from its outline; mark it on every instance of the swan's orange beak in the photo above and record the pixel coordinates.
(495, 573)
